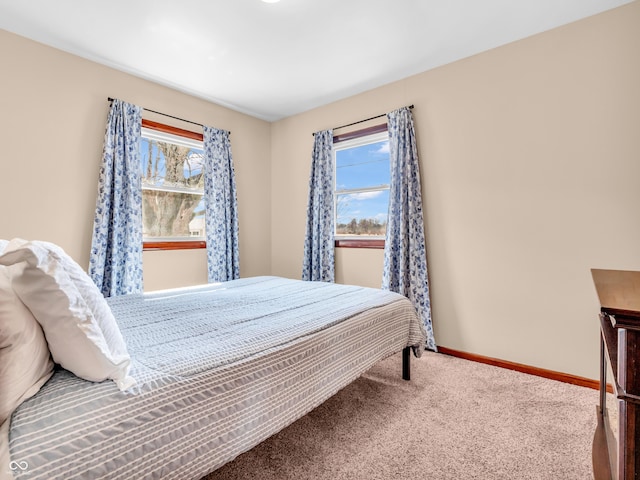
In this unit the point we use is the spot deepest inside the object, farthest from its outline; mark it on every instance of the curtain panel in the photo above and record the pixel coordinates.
(115, 263)
(405, 254)
(318, 261)
(221, 207)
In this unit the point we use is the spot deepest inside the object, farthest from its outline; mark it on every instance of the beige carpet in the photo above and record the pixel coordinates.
(456, 419)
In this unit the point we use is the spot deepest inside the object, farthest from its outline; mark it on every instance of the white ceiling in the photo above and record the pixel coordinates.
(275, 60)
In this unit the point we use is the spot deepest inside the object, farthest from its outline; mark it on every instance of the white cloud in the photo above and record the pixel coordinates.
(384, 148)
(365, 195)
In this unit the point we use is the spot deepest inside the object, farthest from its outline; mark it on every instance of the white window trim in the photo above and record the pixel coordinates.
(171, 138)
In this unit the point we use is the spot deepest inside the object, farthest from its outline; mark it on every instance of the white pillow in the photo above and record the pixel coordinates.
(25, 362)
(81, 331)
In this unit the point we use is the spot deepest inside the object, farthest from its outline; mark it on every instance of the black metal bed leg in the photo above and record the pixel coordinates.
(406, 363)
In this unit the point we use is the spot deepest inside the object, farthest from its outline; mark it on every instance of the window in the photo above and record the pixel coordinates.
(171, 162)
(361, 187)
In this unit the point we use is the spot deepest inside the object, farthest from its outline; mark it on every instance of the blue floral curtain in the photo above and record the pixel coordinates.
(115, 263)
(405, 253)
(221, 207)
(318, 261)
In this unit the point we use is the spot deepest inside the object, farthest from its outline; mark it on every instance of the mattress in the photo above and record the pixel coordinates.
(219, 368)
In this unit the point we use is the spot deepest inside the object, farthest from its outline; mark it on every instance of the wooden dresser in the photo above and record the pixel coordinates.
(616, 456)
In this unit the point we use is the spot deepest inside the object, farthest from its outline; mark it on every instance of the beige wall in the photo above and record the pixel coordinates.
(530, 159)
(53, 109)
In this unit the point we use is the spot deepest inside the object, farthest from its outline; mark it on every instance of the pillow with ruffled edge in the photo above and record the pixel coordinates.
(25, 361)
(81, 331)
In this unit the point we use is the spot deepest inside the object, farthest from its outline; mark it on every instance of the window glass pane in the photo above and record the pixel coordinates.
(363, 213)
(363, 166)
(362, 186)
(167, 214)
(171, 166)
(172, 189)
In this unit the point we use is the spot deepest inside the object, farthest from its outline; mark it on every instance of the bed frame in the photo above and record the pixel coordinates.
(406, 363)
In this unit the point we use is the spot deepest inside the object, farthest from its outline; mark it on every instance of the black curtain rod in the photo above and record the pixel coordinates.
(362, 121)
(167, 115)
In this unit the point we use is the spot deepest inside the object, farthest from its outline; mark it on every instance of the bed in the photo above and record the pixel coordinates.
(215, 370)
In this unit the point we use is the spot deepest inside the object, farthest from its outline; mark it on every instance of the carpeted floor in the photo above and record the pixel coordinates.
(456, 419)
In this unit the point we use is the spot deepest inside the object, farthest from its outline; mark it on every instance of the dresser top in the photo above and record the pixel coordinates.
(618, 291)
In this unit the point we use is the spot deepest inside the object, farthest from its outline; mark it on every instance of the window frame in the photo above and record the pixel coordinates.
(375, 243)
(154, 245)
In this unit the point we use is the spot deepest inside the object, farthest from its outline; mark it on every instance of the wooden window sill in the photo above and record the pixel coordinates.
(184, 245)
(359, 243)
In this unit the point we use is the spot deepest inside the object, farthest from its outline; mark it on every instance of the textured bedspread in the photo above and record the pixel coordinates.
(219, 368)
